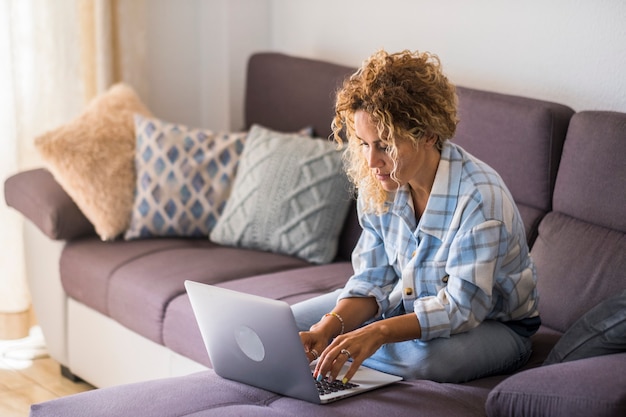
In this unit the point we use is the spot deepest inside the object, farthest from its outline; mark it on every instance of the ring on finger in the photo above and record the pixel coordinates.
(346, 352)
(314, 353)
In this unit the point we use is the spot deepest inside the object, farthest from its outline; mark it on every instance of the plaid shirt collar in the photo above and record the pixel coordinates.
(443, 199)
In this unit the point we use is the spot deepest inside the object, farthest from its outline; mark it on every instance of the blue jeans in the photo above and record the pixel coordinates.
(491, 348)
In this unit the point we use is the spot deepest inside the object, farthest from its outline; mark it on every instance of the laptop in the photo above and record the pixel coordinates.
(255, 340)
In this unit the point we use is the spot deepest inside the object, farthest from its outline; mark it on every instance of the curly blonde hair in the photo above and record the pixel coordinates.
(407, 96)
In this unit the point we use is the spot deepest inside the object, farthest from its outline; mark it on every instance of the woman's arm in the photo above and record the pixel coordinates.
(349, 314)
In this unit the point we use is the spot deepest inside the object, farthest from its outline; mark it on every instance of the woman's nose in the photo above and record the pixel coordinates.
(373, 159)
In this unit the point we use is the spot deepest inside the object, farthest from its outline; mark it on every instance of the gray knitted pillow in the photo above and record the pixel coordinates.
(290, 196)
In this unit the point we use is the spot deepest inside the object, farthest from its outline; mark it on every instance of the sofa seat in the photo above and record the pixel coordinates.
(181, 333)
(133, 282)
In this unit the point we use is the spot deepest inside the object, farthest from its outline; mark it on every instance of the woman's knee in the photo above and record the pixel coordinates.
(490, 350)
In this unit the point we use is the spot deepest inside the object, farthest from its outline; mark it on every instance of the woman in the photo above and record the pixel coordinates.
(443, 285)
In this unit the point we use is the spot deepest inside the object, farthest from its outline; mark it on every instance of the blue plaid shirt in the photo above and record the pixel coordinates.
(466, 260)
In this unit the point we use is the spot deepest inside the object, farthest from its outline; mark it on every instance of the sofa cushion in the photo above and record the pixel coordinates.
(590, 184)
(134, 281)
(601, 331)
(184, 177)
(558, 390)
(87, 265)
(92, 158)
(180, 331)
(290, 196)
(577, 268)
(157, 278)
(521, 138)
(278, 85)
(295, 285)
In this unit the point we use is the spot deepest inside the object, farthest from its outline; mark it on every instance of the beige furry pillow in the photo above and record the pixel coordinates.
(92, 157)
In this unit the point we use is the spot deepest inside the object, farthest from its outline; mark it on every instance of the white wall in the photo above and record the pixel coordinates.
(196, 56)
(568, 51)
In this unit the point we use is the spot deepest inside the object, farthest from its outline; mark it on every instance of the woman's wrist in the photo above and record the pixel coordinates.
(330, 325)
(338, 317)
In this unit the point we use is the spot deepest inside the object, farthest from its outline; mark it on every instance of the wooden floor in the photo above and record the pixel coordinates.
(24, 382)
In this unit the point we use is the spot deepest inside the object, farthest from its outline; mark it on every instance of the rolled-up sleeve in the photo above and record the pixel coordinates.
(374, 276)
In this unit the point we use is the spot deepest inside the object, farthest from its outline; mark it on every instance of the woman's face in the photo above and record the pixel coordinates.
(414, 164)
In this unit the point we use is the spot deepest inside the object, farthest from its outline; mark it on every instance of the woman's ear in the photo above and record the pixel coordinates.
(430, 139)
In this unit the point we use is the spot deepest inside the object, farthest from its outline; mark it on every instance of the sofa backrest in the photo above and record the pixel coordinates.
(580, 252)
(522, 139)
(289, 93)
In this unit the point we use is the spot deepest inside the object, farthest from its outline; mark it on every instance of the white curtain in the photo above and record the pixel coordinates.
(13, 294)
(54, 57)
(39, 58)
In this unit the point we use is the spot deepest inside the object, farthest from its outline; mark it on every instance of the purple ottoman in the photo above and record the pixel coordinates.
(206, 394)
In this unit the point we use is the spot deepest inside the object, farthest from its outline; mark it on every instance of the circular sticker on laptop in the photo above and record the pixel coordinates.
(250, 343)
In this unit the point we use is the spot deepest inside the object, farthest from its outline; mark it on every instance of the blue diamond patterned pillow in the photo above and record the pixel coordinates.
(290, 196)
(184, 178)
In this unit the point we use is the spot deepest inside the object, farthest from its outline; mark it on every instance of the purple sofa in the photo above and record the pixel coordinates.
(565, 171)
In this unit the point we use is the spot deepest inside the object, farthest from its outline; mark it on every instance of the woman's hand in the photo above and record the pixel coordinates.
(314, 344)
(361, 343)
(355, 311)
(357, 345)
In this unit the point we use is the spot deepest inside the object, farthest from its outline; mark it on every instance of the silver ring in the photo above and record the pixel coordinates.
(346, 352)
(314, 353)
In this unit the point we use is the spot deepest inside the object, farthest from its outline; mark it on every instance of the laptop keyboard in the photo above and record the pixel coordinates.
(325, 387)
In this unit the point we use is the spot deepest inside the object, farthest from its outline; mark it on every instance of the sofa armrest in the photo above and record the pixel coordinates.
(593, 386)
(37, 195)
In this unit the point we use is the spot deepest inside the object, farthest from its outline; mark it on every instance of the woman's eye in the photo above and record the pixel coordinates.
(378, 146)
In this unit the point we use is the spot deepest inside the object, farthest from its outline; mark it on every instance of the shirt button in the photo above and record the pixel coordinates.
(445, 279)
(408, 291)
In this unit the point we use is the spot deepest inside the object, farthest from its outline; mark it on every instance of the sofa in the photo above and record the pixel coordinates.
(115, 313)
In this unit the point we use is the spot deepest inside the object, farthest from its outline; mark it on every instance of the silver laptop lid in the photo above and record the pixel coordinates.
(253, 340)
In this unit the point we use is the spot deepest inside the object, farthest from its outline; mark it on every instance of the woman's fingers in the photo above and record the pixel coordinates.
(351, 371)
(331, 362)
(312, 354)
(312, 345)
(355, 346)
